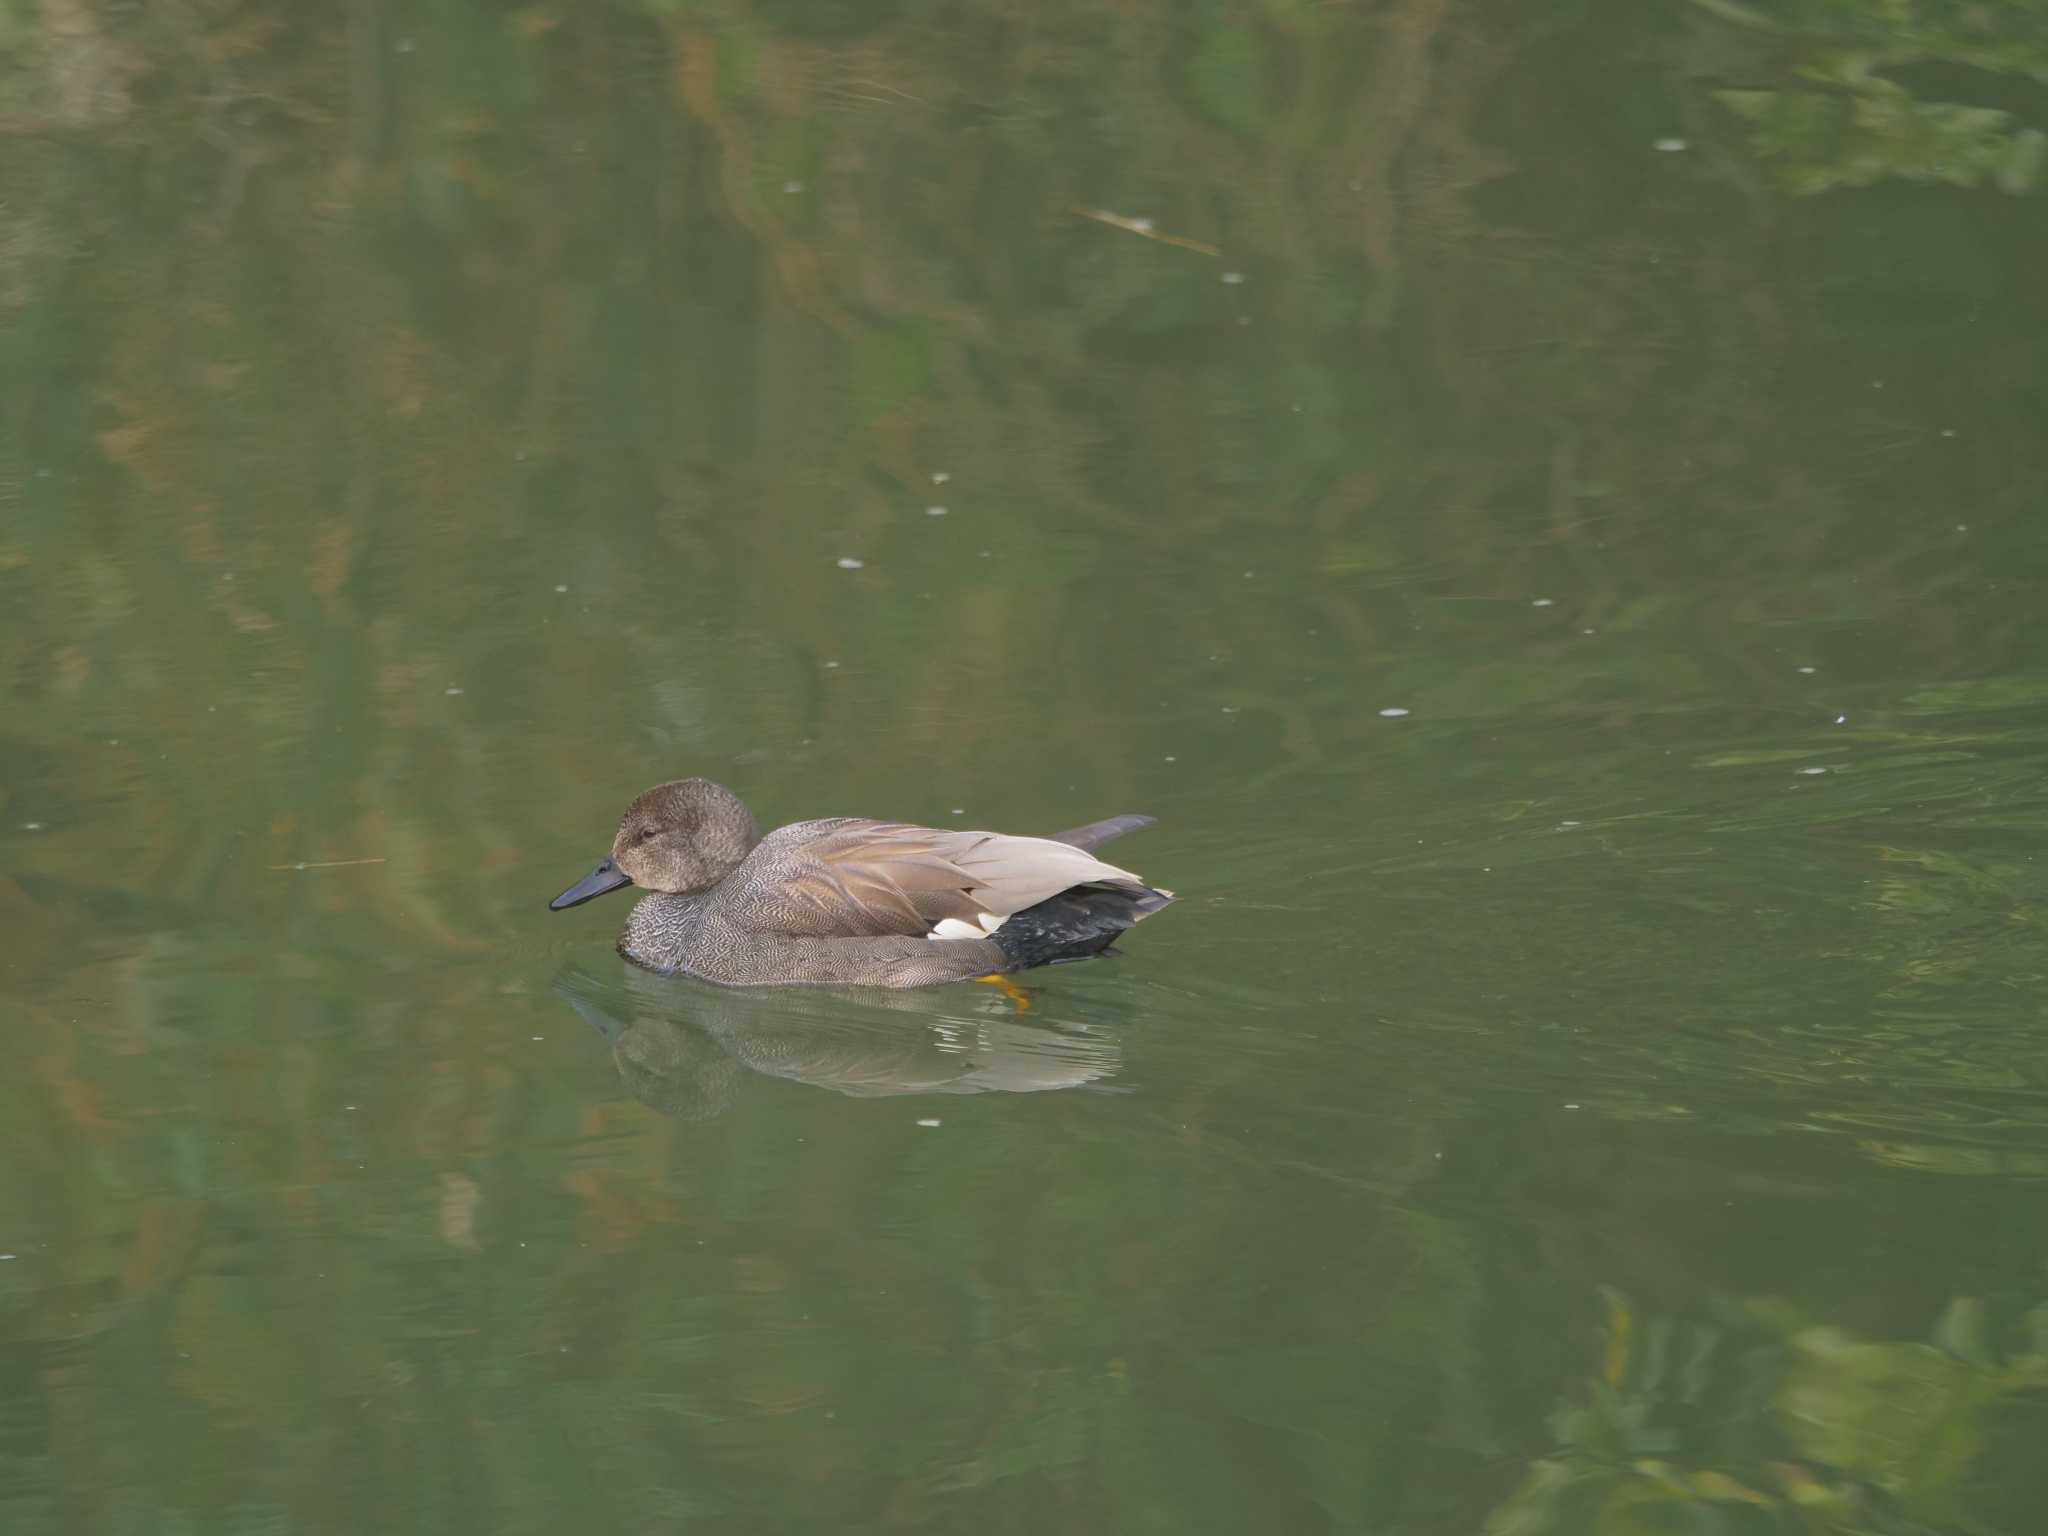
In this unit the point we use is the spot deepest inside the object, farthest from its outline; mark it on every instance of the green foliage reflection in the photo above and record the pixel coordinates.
(1767, 1422)
(1846, 118)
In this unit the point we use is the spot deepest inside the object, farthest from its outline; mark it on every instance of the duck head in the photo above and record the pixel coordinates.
(679, 837)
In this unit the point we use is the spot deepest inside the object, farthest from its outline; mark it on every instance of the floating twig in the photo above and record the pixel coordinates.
(1144, 227)
(329, 864)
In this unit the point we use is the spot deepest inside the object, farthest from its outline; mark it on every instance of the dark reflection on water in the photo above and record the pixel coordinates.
(687, 1049)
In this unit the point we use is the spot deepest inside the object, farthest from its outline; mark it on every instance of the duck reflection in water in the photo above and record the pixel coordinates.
(689, 1052)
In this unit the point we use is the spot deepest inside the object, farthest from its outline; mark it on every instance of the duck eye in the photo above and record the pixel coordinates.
(646, 834)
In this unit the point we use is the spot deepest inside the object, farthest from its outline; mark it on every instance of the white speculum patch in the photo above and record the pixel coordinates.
(960, 928)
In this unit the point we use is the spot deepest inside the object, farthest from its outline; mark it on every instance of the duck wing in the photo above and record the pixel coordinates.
(849, 877)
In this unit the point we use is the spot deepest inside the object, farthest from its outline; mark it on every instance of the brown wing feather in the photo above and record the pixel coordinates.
(852, 877)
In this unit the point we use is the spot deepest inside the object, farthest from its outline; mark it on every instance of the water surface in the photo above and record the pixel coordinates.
(1555, 535)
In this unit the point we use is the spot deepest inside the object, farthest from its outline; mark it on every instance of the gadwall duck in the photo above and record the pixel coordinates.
(848, 902)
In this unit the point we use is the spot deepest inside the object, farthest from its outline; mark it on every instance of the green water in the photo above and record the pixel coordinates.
(1611, 1096)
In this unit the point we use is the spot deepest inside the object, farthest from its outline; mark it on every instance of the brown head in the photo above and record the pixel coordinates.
(680, 837)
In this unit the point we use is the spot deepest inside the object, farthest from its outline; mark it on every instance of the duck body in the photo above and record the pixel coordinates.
(846, 901)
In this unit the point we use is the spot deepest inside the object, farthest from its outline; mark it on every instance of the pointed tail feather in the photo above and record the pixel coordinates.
(1096, 833)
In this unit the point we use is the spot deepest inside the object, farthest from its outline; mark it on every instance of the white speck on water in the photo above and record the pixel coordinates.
(934, 511)
(1571, 823)
(959, 810)
(1588, 631)
(940, 477)
(1809, 671)
(1244, 319)
(1948, 431)
(453, 693)
(540, 1037)
(1877, 383)
(1395, 712)
(1571, 1106)
(1962, 527)
(1230, 709)
(561, 586)
(1171, 758)
(348, 1106)
(1813, 772)
(405, 45)
(848, 563)
(792, 187)
(831, 666)
(1841, 719)
(1670, 146)
(4, 1257)
(1233, 278)
(1544, 602)
(981, 554)
(932, 1124)
(1142, 225)
(1248, 575)
(300, 865)
(31, 826)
